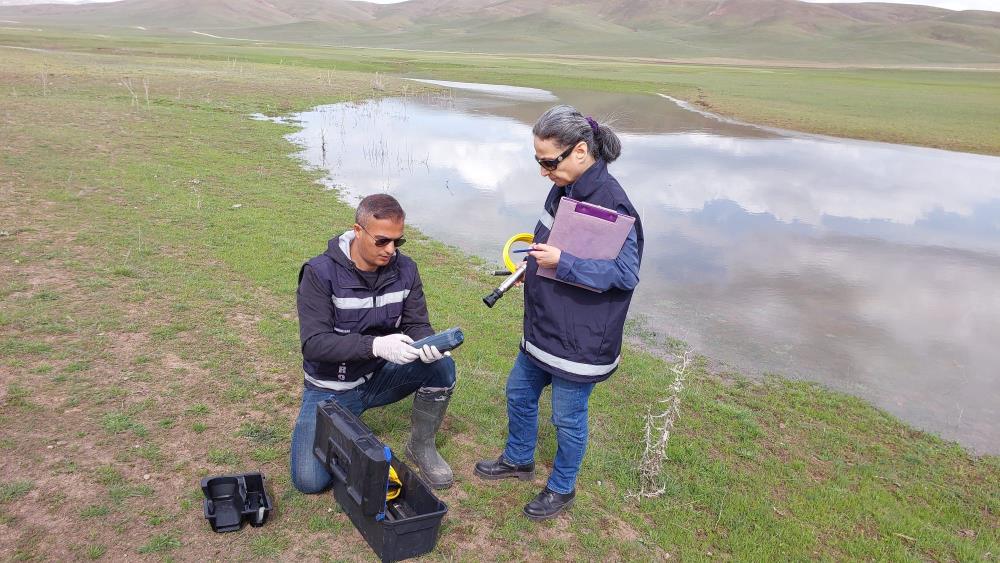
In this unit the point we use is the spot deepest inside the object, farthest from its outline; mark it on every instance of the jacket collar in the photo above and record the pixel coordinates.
(588, 182)
(339, 250)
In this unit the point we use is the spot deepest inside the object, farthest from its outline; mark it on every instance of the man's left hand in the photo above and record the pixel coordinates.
(546, 255)
(430, 354)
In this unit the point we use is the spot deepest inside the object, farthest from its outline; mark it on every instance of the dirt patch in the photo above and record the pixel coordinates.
(86, 430)
(192, 371)
(35, 279)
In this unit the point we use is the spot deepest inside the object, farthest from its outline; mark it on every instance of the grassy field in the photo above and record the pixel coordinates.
(148, 257)
(948, 109)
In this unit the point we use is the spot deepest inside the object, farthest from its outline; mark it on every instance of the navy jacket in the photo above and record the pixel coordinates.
(340, 314)
(569, 331)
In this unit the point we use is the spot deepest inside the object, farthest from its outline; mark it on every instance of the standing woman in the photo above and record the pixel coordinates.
(572, 336)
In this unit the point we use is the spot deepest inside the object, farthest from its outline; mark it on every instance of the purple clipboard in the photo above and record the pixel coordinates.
(588, 231)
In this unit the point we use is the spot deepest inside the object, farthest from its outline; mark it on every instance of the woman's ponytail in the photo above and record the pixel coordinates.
(608, 145)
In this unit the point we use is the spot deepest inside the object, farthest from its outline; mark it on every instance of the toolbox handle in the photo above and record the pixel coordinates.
(334, 455)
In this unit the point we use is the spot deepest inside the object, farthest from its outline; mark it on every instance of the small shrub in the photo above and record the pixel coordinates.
(96, 551)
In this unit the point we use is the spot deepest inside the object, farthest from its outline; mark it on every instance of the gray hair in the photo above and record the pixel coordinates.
(567, 126)
(378, 206)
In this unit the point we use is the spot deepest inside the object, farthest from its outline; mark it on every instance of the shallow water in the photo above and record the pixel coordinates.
(871, 268)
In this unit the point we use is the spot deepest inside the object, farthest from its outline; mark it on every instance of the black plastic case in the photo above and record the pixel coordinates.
(232, 499)
(402, 528)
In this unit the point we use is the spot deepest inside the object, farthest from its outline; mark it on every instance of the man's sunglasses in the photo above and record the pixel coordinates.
(384, 241)
(551, 164)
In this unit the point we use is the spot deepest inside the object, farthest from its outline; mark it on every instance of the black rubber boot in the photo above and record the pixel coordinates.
(499, 468)
(548, 504)
(428, 412)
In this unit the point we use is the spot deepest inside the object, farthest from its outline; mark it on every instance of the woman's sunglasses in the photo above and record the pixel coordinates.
(384, 241)
(551, 164)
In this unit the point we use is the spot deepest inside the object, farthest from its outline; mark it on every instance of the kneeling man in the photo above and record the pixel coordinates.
(361, 305)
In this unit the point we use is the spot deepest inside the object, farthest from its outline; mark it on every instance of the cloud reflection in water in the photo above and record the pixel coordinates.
(869, 267)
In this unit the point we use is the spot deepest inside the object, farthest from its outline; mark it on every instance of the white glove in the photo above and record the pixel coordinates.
(430, 354)
(395, 348)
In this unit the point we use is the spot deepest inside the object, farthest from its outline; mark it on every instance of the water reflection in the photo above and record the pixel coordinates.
(866, 266)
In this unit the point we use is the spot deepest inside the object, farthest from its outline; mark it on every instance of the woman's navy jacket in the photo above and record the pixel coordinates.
(569, 331)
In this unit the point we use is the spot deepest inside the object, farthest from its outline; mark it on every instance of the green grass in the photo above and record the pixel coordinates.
(160, 543)
(325, 523)
(223, 457)
(14, 490)
(201, 331)
(17, 396)
(109, 476)
(119, 490)
(120, 493)
(268, 545)
(96, 551)
(95, 511)
(264, 434)
(117, 422)
(264, 454)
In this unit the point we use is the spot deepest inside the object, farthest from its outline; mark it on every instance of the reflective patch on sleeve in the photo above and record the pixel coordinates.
(546, 219)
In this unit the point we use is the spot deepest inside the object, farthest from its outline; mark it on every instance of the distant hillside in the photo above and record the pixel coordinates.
(740, 29)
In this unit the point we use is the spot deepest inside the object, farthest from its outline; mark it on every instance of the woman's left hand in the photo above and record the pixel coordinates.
(547, 256)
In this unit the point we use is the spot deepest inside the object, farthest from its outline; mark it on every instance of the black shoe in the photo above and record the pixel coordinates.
(498, 468)
(548, 504)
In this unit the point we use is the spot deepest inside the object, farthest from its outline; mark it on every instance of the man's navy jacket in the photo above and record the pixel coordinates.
(340, 314)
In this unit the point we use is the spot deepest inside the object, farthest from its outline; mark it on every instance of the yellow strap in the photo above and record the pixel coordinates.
(395, 485)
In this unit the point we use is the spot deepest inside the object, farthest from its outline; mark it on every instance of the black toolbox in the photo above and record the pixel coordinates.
(231, 499)
(404, 527)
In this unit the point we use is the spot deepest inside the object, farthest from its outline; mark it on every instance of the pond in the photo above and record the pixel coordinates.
(871, 268)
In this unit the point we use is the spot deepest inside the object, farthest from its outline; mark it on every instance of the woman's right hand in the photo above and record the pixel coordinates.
(546, 255)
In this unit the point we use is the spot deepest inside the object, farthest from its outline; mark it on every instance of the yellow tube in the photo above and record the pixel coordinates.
(520, 237)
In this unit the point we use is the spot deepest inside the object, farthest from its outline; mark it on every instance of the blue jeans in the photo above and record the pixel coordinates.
(389, 384)
(569, 415)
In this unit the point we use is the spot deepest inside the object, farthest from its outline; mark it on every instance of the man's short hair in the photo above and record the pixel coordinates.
(378, 206)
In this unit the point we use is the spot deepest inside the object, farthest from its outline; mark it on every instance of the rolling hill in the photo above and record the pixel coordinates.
(788, 30)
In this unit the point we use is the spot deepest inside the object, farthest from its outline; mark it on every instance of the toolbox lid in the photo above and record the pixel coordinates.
(353, 455)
